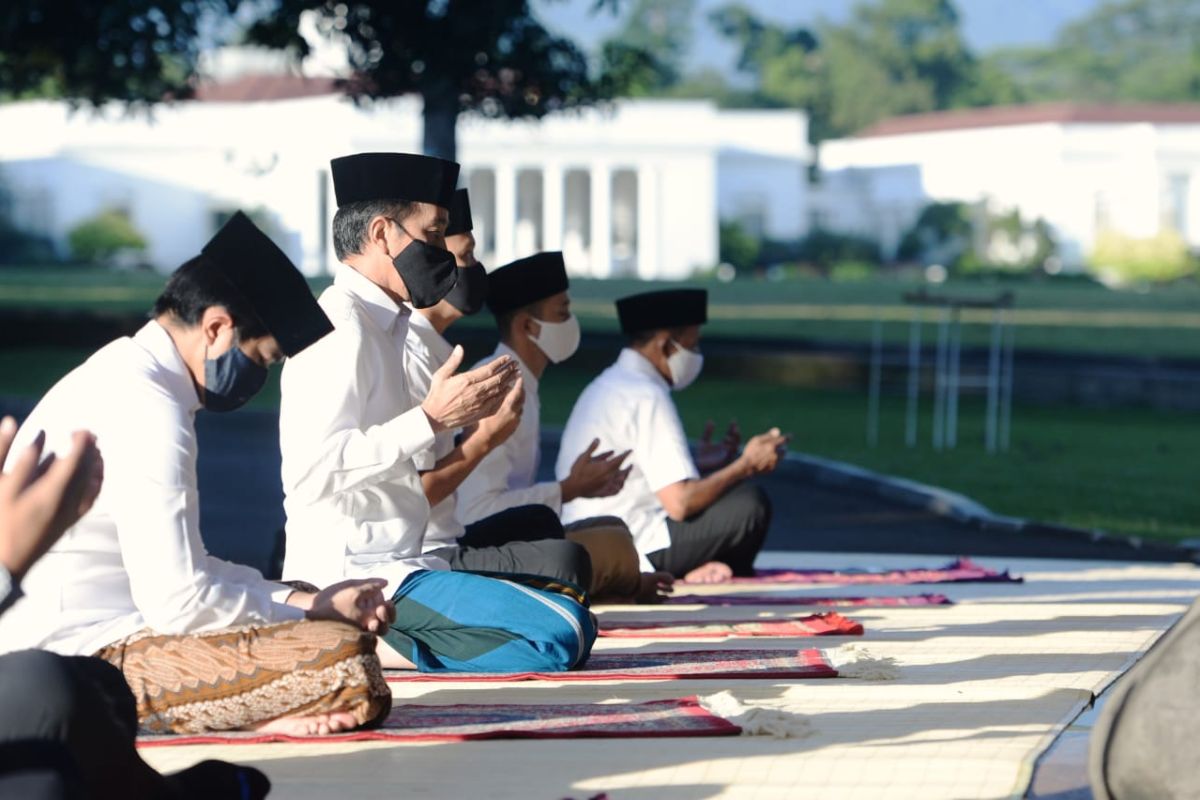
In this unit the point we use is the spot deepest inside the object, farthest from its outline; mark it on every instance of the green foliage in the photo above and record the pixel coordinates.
(1124, 50)
(646, 56)
(1130, 260)
(941, 235)
(135, 52)
(738, 247)
(104, 236)
(853, 271)
(824, 249)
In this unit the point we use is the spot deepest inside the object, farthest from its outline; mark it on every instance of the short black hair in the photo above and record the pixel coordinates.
(197, 286)
(639, 338)
(351, 220)
(504, 321)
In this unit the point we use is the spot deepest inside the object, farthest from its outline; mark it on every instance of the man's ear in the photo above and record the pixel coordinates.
(377, 230)
(214, 322)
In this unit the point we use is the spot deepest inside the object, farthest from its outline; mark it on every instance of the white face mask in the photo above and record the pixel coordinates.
(684, 365)
(558, 340)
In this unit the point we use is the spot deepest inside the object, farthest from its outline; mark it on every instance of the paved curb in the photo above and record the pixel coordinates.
(945, 503)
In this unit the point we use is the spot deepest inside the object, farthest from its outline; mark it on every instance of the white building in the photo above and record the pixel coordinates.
(635, 189)
(1131, 169)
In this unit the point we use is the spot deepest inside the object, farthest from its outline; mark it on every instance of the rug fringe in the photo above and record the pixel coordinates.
(758, 721)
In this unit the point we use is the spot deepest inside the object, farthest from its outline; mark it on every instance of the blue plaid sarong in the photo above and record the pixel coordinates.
(472, 622)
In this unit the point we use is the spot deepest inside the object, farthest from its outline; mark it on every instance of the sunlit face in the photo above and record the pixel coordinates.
(689, 337)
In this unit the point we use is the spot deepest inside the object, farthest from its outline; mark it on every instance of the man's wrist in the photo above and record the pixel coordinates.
(566, 490)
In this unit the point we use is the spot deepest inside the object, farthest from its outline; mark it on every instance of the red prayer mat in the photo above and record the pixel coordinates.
(808, 600)
(415, 723)
(830, 624)
(960, 570)
(694, 664)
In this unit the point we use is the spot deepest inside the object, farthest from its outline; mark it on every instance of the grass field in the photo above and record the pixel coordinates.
(1063, 316)
(1128, 472)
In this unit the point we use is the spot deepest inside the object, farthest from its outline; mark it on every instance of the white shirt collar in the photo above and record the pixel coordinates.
(631, 360)
(382, 309)
(419, 320)
(531, 382)
(154, 338)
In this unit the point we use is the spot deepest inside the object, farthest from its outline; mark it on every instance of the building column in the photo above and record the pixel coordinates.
(506, 213)
(648, 254)
(601, 224)
(552, 207)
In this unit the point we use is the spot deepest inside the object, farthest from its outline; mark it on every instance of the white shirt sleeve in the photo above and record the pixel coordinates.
(156, 509)
(661, 449)
(325, 452)
(485, 491)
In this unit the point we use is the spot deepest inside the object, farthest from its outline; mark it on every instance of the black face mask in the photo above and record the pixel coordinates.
(429, 272)
(231, 379)
(471, 290)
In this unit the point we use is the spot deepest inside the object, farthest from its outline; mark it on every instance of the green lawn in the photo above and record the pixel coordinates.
(1128, 472)
(1065, 316)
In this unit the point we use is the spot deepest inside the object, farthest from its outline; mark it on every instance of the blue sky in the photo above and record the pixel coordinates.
(987, 24)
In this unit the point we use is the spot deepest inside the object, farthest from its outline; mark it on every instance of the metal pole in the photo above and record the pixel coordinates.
(953, 388)
(993, 383)
(876, 380)
(914, 377)
(939, 381)
(1006, 403)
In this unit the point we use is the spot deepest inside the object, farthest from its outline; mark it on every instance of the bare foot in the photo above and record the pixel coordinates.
(712, 572)
(653, 587)
(313, 725)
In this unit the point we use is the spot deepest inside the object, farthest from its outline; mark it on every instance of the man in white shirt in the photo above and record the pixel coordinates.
(349, 433)
(526, 539)
(131, 582)
(700, 528)
(532, 306)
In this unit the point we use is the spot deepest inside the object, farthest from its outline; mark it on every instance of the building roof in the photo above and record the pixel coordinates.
(1061, 113)
(258, 88)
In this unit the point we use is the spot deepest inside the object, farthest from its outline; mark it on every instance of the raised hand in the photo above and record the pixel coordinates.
(501, 425)
(711, 456)
(763, 452)
(595, 474)
(39, 502)
(455, 401)
(358, 602)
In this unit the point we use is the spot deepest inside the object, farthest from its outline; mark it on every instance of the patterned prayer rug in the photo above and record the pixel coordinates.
(960, 570)
(417, 723)
(830, 624)
(694, 665)
(807, 600)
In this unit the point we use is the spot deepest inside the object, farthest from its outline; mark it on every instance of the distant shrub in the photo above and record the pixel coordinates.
(737, 247)
(21, 248)
(941, 235)
(1125, 259)
(824, 249)
(853, 271)
(103, 237)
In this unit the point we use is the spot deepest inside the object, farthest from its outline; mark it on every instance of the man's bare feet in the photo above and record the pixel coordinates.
(712, 572)
(312, 725)
(654, 587)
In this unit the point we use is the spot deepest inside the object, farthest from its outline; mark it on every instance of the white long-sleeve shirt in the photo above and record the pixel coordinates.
(425, 351)
(136, 560)
(348, 434)
(505, 477)
(629, 407)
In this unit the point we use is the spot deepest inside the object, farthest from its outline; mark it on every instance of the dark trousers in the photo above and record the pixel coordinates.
(65, 724)
(526, 540)
(731, 530)
(1143, 746)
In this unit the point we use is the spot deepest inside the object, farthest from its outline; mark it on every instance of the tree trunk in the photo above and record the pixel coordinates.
(441, 121)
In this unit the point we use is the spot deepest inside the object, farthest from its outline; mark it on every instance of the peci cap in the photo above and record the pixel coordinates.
(393, 176)
(526, 281)
(668, 308)
(460, 214)
(271, 285)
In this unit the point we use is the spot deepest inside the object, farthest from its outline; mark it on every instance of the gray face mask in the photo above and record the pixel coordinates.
(231, 379)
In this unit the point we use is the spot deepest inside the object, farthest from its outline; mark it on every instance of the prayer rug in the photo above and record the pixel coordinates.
(830, 624)
(960, 570)
(807, 600)
(685, 665)
(457, 723)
